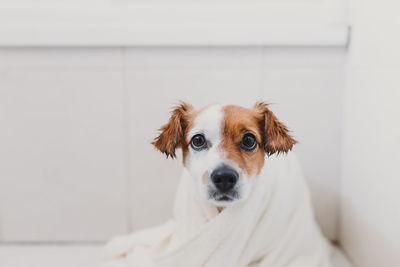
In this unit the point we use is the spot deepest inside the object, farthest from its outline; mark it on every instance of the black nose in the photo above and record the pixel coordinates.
(224, 178)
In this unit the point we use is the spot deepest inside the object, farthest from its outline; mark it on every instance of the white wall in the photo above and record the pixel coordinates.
(63, 145)
(76, 163)
(370, 209)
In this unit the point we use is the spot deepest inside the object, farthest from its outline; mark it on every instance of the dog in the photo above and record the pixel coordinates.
(224, 147)
(236, 204)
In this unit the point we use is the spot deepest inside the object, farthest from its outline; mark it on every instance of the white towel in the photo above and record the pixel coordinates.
(273, 227)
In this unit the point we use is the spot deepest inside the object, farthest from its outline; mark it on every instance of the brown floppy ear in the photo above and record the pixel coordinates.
(173, 133)
(276, 136)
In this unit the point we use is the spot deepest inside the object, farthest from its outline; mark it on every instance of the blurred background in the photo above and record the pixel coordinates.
(84, 86)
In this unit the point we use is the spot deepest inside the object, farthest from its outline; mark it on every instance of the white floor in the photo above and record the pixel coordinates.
(53, 255)
(73, 255)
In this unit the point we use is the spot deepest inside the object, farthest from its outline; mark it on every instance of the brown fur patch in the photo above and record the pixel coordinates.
(272, 135)
(276, 134)
(205, 177)
(173, 134)
(237, 122)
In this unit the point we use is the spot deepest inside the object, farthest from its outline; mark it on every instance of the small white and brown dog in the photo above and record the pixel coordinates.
(223, 147)
(233, 207)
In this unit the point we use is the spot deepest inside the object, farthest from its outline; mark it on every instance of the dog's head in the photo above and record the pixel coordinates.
(223, 147)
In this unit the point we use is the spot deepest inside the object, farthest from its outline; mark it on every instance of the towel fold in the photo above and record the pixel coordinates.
(273, 227)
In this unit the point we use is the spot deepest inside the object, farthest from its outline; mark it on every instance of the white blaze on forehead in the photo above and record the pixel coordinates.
(209, 123)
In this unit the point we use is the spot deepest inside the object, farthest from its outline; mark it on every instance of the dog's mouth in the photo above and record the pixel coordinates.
(231, 196)
(225, 198)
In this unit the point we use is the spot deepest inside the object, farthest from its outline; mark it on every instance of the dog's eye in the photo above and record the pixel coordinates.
(249, 142)
(198, 142)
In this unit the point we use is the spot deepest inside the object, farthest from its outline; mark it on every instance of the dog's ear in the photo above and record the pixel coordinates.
(172, 134)
(276, 137)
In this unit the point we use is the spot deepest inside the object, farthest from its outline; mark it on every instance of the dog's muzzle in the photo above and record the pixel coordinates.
(224, 179)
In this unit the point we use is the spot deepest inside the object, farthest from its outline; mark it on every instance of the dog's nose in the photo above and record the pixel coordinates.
(224, 178)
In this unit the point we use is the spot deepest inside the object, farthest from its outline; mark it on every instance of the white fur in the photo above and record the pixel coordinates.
(208, 123)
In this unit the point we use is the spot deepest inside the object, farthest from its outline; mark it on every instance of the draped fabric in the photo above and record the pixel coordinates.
(273, 227)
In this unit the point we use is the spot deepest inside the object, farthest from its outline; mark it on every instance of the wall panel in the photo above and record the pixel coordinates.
(62, 139)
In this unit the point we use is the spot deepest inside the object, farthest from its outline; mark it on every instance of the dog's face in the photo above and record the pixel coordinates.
(224, 147)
